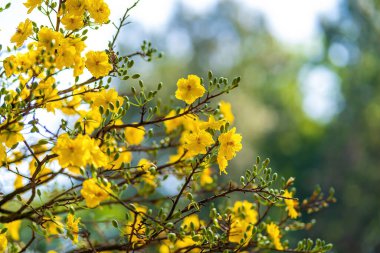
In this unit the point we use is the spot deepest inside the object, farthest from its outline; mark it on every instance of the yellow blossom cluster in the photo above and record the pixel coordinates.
(243, 216)
(119, 151)
(195, 137)
(68, 149)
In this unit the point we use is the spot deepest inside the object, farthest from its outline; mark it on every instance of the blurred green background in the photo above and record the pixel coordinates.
(313, 109)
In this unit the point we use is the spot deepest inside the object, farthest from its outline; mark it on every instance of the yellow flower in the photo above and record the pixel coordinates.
(243, 215)
(72, 22)
(93, 193)
(97, 157)
(184, 244)
(230, 143)
(3, 153)
(206, 178)
(72, 226)
(212, 123)
(90, 120)
(133, 135)
(189, 89)
(97, 63)
(191, 223)
(53, 227)
(3, 243)
(68, 149)
(237, 230)
(13, 229)
(48, 93)
(99, 11)
(164, 249)
(78, 66)
(49, 38)
(69, 106)
(136, 224)
(191, 122)
(274, 233)
(77, 43)
(104, 98)
(124, 157)
(31, 4)
(197, 142)
(291, 204)
(65, 56)
(18, 182)
(172, 124)
(225, 109)
(11, 135)
(244, 210)
(147, 177)
(23, 31)
(9, 65)
(76, 7)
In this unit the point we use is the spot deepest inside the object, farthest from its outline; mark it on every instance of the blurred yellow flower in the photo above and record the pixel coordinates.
(225, 109)
(11, 135)
(3, 243)
(212, 123)
(147, 177)
(206, 177)
(124, 157)
(13, 229)
(191, 219)
(3, 153)
(53, 227)
(134, 135)
(93, 193)
(173, 124)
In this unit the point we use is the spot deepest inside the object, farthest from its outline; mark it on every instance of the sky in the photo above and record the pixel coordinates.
(291, 21)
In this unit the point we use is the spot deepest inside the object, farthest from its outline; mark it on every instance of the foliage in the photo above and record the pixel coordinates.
(97, 182)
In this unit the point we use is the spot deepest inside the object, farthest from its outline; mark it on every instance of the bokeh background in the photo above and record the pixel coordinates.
(309, 98)
(310, 92)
